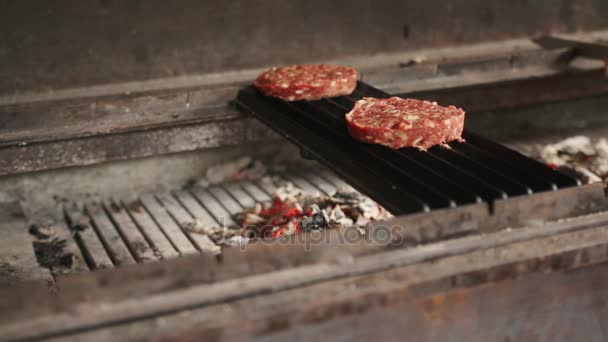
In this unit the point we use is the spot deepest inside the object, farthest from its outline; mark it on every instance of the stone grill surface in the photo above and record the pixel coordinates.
(111, 232)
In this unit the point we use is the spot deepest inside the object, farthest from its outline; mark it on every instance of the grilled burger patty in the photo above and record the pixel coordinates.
(398, 123)
(307, 81)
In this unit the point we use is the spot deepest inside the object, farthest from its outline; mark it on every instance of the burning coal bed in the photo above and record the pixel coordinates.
(580, 157)
(293, 211)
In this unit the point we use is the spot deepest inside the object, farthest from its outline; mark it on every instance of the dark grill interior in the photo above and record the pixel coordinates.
(406, 180)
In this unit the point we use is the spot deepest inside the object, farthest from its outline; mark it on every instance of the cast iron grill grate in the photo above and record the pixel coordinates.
(405, 180)
(152, 226)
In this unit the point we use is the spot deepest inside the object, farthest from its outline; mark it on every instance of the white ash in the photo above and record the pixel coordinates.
(568, 149)
(236, 241)
(343, 209)
(362, 208)
(589, 160)
(289, 192)
(220, 235)
(337, 217)
(599, 165)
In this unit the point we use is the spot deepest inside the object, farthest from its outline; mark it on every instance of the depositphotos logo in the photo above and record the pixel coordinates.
(393, 236)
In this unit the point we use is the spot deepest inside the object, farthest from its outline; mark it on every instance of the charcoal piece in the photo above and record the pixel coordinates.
(190, 183)
(78, 227)
(314, 222)
(50, 254)
(115, 208)
(135, 206)
(36, 231)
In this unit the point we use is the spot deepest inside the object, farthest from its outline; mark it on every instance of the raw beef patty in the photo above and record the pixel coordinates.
(307, 81)
(397, 122)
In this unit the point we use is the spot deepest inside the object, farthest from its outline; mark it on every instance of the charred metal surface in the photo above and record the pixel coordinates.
(337, 248)
(17, 258)
(542, 307)
(550, 205)
(70, 43)
(411, 230)
(107, 147)
(597, 51)
(517, 93)
(510, 269)
(76, 118)
(527, 128)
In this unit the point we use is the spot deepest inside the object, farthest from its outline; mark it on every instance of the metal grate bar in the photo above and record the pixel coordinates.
(520, 161)
(178, 238)
(109, 236)
(268, 186)
(183, 218)
(219, 213)
(258, 194)
(506, 184)
(535, 183)
(320, 183)
(238, 193)
(225, 200)
(302, 184)
(150, 229)
(63, 232)
(195, 208)
(134, 239)
(336, 181)
(93, 251)
(459, 175)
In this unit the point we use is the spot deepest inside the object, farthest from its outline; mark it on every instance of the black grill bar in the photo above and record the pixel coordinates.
(515, 158)
(459, 175)
(483, 172)
(406, 180)
(535, 183)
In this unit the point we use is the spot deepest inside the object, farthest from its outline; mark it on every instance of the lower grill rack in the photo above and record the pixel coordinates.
(110, 232)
